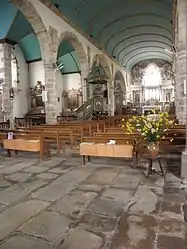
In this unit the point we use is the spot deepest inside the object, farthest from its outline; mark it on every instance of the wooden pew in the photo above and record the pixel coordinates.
(104, 150)
(53, 136)
(65, 136)
(169, 145)
(49, 137)
(5, 125)
(27, 143)
(105, 139)
(114, 130)
(74, 130)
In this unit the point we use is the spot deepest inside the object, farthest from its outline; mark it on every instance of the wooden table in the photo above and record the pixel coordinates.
(150, 170)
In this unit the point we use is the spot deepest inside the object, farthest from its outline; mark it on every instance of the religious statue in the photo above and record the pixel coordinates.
(72, 99)
(39, 88)
(136, 73)
(136, 96)
(168, 95)
(36, 95)
(167, 72)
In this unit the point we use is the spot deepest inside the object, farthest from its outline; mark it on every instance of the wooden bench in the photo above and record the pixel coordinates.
(105, 139)
(57, 135)
(105, 150)
(27, 144)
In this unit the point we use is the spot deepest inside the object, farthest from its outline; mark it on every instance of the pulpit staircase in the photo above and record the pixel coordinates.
(85, 111)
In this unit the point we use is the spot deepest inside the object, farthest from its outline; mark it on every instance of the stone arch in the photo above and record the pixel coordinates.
(120, 78)
(119, 91)
(47, 53)
(81, 54)
(29, 11)
(71, 38)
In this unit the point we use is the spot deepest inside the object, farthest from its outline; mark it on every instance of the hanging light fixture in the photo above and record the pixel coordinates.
(97, 75)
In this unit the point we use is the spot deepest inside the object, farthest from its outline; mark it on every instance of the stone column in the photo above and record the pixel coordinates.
(1, 80)
(181, 59)
(50, 87)
(181, 75)
(84, 75)
(124, 98)
(161, 94)
(111, 104)
(91, 92)
(143, 95)
(141, 100)
(6, 75)
(84, 89)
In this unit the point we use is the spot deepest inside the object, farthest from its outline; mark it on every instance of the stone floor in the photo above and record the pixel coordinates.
(61, 204)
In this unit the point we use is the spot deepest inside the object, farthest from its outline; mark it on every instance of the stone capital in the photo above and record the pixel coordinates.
(48, 65)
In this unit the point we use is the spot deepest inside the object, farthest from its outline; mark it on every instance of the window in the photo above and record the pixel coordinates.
(152, 76)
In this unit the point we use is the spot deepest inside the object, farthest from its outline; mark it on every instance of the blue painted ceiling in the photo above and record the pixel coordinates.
(129, 30)
(67, 55)
(16, 29)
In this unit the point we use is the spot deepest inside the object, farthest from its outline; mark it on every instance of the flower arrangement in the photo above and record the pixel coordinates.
(152, 128)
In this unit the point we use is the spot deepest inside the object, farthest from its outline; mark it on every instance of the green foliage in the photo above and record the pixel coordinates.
(152, 127)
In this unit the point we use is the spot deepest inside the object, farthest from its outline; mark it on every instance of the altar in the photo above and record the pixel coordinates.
(149, 109)
(152, 85)
(36, 113)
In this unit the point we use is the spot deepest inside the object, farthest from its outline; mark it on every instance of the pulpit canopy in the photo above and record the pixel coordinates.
(97, 75)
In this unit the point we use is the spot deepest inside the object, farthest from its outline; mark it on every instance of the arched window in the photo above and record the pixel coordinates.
(152, 76)
(14, 69)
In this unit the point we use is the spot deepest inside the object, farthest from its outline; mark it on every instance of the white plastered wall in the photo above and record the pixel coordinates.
(20, 102)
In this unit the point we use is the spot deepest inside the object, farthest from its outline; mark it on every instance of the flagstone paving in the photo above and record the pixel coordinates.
(105, 204)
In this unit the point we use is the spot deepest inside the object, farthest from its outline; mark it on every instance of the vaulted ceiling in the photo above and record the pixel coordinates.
(16, 29)
(67, 55)
(129, 30)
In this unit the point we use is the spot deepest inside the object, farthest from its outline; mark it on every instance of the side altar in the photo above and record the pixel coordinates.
(36, 113)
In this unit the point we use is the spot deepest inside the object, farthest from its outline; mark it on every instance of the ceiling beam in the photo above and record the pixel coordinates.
(137, 27)
(143, 34)
(144, 58)
(140, 48)
(163, 54)
(142, 42)
(106, 8)
(128, 16)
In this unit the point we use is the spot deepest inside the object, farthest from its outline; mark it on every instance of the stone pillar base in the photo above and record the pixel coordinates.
(184, 165)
